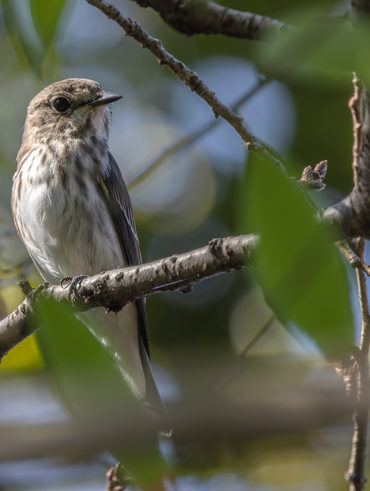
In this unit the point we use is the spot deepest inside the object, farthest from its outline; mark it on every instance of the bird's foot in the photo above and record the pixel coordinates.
(72, 282)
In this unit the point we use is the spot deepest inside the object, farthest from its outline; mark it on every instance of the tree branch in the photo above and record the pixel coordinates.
(189, 77)
(353, 259)
(357, 462)
(113, 289)
(352, 214)
(205, 17)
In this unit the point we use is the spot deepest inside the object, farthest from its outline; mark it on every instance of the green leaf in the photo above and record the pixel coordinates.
(301, 272)
(46, 18)
(91, 386)
(84, 373)
(25, 48)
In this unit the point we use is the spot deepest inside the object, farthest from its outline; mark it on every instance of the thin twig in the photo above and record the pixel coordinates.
(262, 331)
(138, 176)
(353, 259)
(357, 462)
(355, 107)
(259, 334)
(189, 77)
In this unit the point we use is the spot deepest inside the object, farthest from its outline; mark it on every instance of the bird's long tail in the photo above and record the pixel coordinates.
(118, 332)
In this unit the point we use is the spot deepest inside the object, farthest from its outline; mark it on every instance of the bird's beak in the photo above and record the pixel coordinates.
(106, 98)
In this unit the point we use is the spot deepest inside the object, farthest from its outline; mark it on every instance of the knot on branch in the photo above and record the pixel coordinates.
(217, 249)
(348, 372)
(359, 482)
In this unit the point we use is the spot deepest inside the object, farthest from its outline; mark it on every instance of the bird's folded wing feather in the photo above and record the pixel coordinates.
(118, 203)
(119, 206)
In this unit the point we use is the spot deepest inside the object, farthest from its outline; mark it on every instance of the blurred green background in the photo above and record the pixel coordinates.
(198, 339)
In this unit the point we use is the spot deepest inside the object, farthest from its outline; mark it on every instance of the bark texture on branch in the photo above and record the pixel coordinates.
(356, 473)
(206, 17)
(353, 212)
(113, 289)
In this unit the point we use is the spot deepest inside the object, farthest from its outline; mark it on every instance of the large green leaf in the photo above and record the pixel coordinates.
(299, 269)
(46, 18)
(90, 384)
(85, 374)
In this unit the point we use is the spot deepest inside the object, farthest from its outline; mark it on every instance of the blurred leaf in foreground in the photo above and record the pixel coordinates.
(90, 384)
(82, 369)
(28, 52)
(298, 267)
(46, 18)
(34, 37)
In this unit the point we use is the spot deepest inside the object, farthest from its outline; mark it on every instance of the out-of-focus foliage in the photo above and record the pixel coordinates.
(301, 272)
(201, 342)
(85, 373)
(318, 50)
(32, 38)
(46, 21)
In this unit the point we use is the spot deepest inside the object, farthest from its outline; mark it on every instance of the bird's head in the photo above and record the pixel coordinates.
(71, 108)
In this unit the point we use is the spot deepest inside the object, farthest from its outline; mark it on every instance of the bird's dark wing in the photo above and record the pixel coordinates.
(119, 206)
(118, 202)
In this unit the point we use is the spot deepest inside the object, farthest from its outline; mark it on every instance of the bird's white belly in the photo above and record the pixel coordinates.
(65, 235)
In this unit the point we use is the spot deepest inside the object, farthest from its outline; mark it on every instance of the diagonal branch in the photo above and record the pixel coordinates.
(188, 76)
(113, 289)
(353, 259)
(206, 17)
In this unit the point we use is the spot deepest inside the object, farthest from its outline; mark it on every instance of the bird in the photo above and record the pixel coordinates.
(72, 211)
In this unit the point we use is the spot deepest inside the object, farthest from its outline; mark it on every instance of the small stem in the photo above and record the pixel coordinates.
(354, 105)
(353, 259)
(259, 334)
(357, 462)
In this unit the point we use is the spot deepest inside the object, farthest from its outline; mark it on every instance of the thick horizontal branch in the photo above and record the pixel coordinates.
(205, 17)
(113, 289)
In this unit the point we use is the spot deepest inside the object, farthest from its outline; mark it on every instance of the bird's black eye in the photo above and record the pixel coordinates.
(61, 104)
